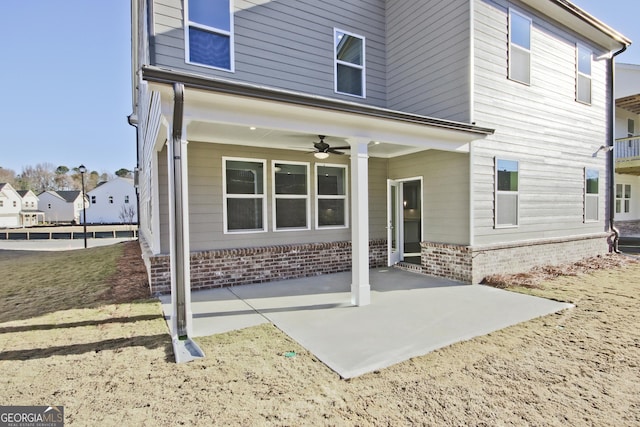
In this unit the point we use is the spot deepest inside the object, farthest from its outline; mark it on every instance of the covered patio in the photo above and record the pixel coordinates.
(410, 315)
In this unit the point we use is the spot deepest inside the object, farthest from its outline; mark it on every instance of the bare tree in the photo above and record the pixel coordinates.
(127, 214)
(8, 176)
(39, 178)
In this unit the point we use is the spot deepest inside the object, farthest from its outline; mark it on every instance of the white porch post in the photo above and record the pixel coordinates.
(360, 287)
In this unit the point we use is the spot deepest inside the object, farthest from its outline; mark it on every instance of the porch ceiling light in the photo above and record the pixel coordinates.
(320, 155)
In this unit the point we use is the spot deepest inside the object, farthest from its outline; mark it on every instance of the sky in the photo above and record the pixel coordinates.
(66, 79)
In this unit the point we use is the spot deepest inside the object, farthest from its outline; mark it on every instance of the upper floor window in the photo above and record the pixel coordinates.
(93, 200)
(331, 196)
(583, 74)
(15, 204)
(506, 199)
(631, 131)
(349, 63)
(1, 203)
(591, 190)
(291, 194)
(623, 198)
(209, 33)
(111, 199)
(519, 47)
(244, 188)
(126, 199)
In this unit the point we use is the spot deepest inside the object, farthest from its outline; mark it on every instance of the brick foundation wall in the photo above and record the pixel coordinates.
(628, 228)
(446, 260)
(472, 264)
(227, 267)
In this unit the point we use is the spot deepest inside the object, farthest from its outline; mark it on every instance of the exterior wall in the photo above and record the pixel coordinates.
(541, 125)
(627, 81)
(30, 202)
(115, 211)
(60, 210)
(229, 267)
(151, 132)
(445, 192)
(472, 264)
(428, 47)
(206, 199)
(282, 38)
(9, 214)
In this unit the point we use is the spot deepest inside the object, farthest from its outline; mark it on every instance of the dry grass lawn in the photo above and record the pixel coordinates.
(111, 364)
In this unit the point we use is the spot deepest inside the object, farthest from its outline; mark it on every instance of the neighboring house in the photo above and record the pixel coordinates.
(62, 206)
(113, 202)
(30, 215)
(470, 131)
(10, 206)
(627, 151)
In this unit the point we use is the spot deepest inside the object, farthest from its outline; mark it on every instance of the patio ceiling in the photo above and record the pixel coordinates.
(630, 103)
(628, 167)
(285, 140)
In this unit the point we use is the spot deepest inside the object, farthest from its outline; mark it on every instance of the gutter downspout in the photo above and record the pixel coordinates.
(176, 171)
(184, 348)
(132, 119)
(610, 143)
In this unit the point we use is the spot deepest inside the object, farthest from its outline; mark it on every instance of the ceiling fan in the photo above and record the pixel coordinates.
(323, 149)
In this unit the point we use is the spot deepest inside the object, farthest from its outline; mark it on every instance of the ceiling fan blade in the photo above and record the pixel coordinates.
(333, 151)
(346, 147)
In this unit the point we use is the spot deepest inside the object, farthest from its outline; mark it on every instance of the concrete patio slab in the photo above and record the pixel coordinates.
(409, 315)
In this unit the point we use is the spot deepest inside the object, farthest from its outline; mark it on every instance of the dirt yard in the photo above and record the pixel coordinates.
(112, 365)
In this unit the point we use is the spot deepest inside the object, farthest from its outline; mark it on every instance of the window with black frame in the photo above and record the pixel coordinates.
(291, 194)
(244, 191)
(331, 196)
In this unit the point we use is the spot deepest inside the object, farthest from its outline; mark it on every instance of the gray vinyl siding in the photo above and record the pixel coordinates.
(445, 192)
(378, 198)
(285, 44)
(428, 48)
(206, 199)
(541, 125)
(163, 200)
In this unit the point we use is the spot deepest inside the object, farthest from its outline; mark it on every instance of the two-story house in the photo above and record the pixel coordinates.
(62, 206)
(627, 149)
(29, 214)
(283, 139)
(113, 202)
(10, 206)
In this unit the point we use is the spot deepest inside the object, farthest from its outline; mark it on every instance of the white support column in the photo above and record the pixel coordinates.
(360, 287)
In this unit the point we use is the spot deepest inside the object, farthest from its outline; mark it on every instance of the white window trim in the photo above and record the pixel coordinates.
(263, 196)
(523, 49)
(290, 196)
(578, 73)
(362, 68)
(497, 192)
(589, 195)
(230, 34)
(621, 208)
(319, 197)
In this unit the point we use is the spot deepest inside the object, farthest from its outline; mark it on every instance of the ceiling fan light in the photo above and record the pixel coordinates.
(320, 155)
